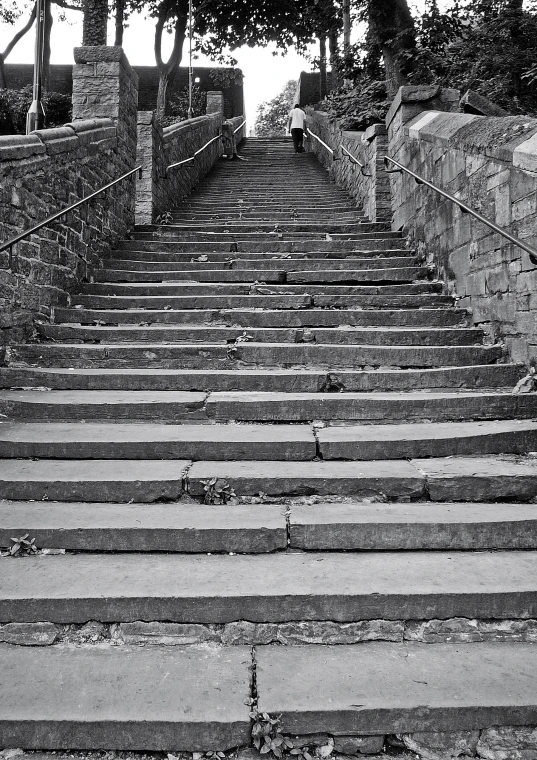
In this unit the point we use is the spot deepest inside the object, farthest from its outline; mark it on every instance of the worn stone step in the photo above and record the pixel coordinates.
(123, 698)
(252, 318)
(412, 527)
(264, 262)
(263, 258)
(191, 288)
(426, 336)
(267, 380)
(222, 356)
(194, 275)
(103, 405)
(378, 407)
(378, 242)
(517, 436)
(255, 215)
(383, 688)
(253, 227)
(95, 480)
(222, 301)
(480, 478)
(183, 528)
(264, 588)
(76, 440)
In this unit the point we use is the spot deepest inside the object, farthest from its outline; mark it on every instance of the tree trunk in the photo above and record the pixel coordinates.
(95, 22)
(334, 58)
(167, 69)
(323, 84)
(391, 27)
(120, 22)
(18, 36)
(347, 26)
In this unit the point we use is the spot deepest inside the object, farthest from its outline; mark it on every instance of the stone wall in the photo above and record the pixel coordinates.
(491, 164)
(49, 170)
(369, 187)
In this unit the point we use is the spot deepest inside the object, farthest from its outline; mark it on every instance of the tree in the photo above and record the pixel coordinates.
(272, 115)
(95, 22)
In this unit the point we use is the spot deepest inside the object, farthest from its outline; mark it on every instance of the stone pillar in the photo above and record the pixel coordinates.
(215, 103)
(150, 154)
(407, 104)
(378, 205)
(106, 86)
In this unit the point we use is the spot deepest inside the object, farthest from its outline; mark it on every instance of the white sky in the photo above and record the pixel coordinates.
(265, 75)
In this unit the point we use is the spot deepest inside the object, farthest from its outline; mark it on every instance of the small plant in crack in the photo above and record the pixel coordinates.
(22, 547)
(332, 384)
(164, 218)
(233, 344)
(217, 491)
(268, 739)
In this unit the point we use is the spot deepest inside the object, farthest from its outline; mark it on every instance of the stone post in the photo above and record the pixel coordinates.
(150, 154)
(407, 104)
(215, 103)
(106, 86)
(377, 206)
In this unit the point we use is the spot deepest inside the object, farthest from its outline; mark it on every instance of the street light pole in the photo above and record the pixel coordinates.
(35, 118)
(190, 69)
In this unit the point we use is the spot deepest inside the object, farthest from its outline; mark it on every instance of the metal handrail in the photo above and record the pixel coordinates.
(8, 245)
(464, 208)
(239, 128)
(344, 149)
(188, 160)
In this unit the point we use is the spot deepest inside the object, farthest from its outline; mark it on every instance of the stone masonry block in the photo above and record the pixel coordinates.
(58, 140)
(15, 147)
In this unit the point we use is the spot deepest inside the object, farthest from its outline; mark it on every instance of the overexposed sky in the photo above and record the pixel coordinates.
(265, 74)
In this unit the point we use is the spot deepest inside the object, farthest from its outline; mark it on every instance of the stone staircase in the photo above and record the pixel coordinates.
(265, 424)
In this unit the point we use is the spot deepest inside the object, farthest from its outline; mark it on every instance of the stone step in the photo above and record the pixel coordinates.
(103, 405)
(78, 440)
(123, 698)
(96, 480)
(216, 288)
(182, 528)
(266, 299)
(261, 259)
(267, 380)
(252, 318)
(398, 336)
(299, 238)
(255, 215)
(248, 227)
(370, 407)
(402, 441)
(262, 262)
(284, 274)
(378, 242)
(409, 527)
(383, 688)
(222, 356)
(265, 588)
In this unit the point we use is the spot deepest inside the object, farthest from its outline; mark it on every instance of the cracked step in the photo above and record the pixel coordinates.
(240, 262)
(259, 258)
(273, 407)
(412, 527)
(75, 440)
(264, 588)
(189, 288)
(363, 243)
(182, 528)
(260, 380)
(125, 698)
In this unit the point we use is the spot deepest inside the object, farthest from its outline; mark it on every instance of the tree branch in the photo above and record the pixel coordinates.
(20, 34)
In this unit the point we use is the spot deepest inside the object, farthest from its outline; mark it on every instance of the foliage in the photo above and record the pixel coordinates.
(223, 78)
(360, 105)
(14, 105)
(179, 106)
(271, 120)
(268, 739)
(9, 11)
(217, 491)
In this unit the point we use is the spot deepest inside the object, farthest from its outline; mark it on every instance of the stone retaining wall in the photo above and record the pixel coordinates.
(491, 164)
(52, 168)
(370, 188)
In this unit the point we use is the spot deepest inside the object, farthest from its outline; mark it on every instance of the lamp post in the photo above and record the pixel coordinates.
(190, 69)
(35, 118)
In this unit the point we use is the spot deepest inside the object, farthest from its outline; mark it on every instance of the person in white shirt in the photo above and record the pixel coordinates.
(296, 124)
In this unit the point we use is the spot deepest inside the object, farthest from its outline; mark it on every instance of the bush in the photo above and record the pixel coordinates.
(359, 106)
(179, 106)
(14, 105)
